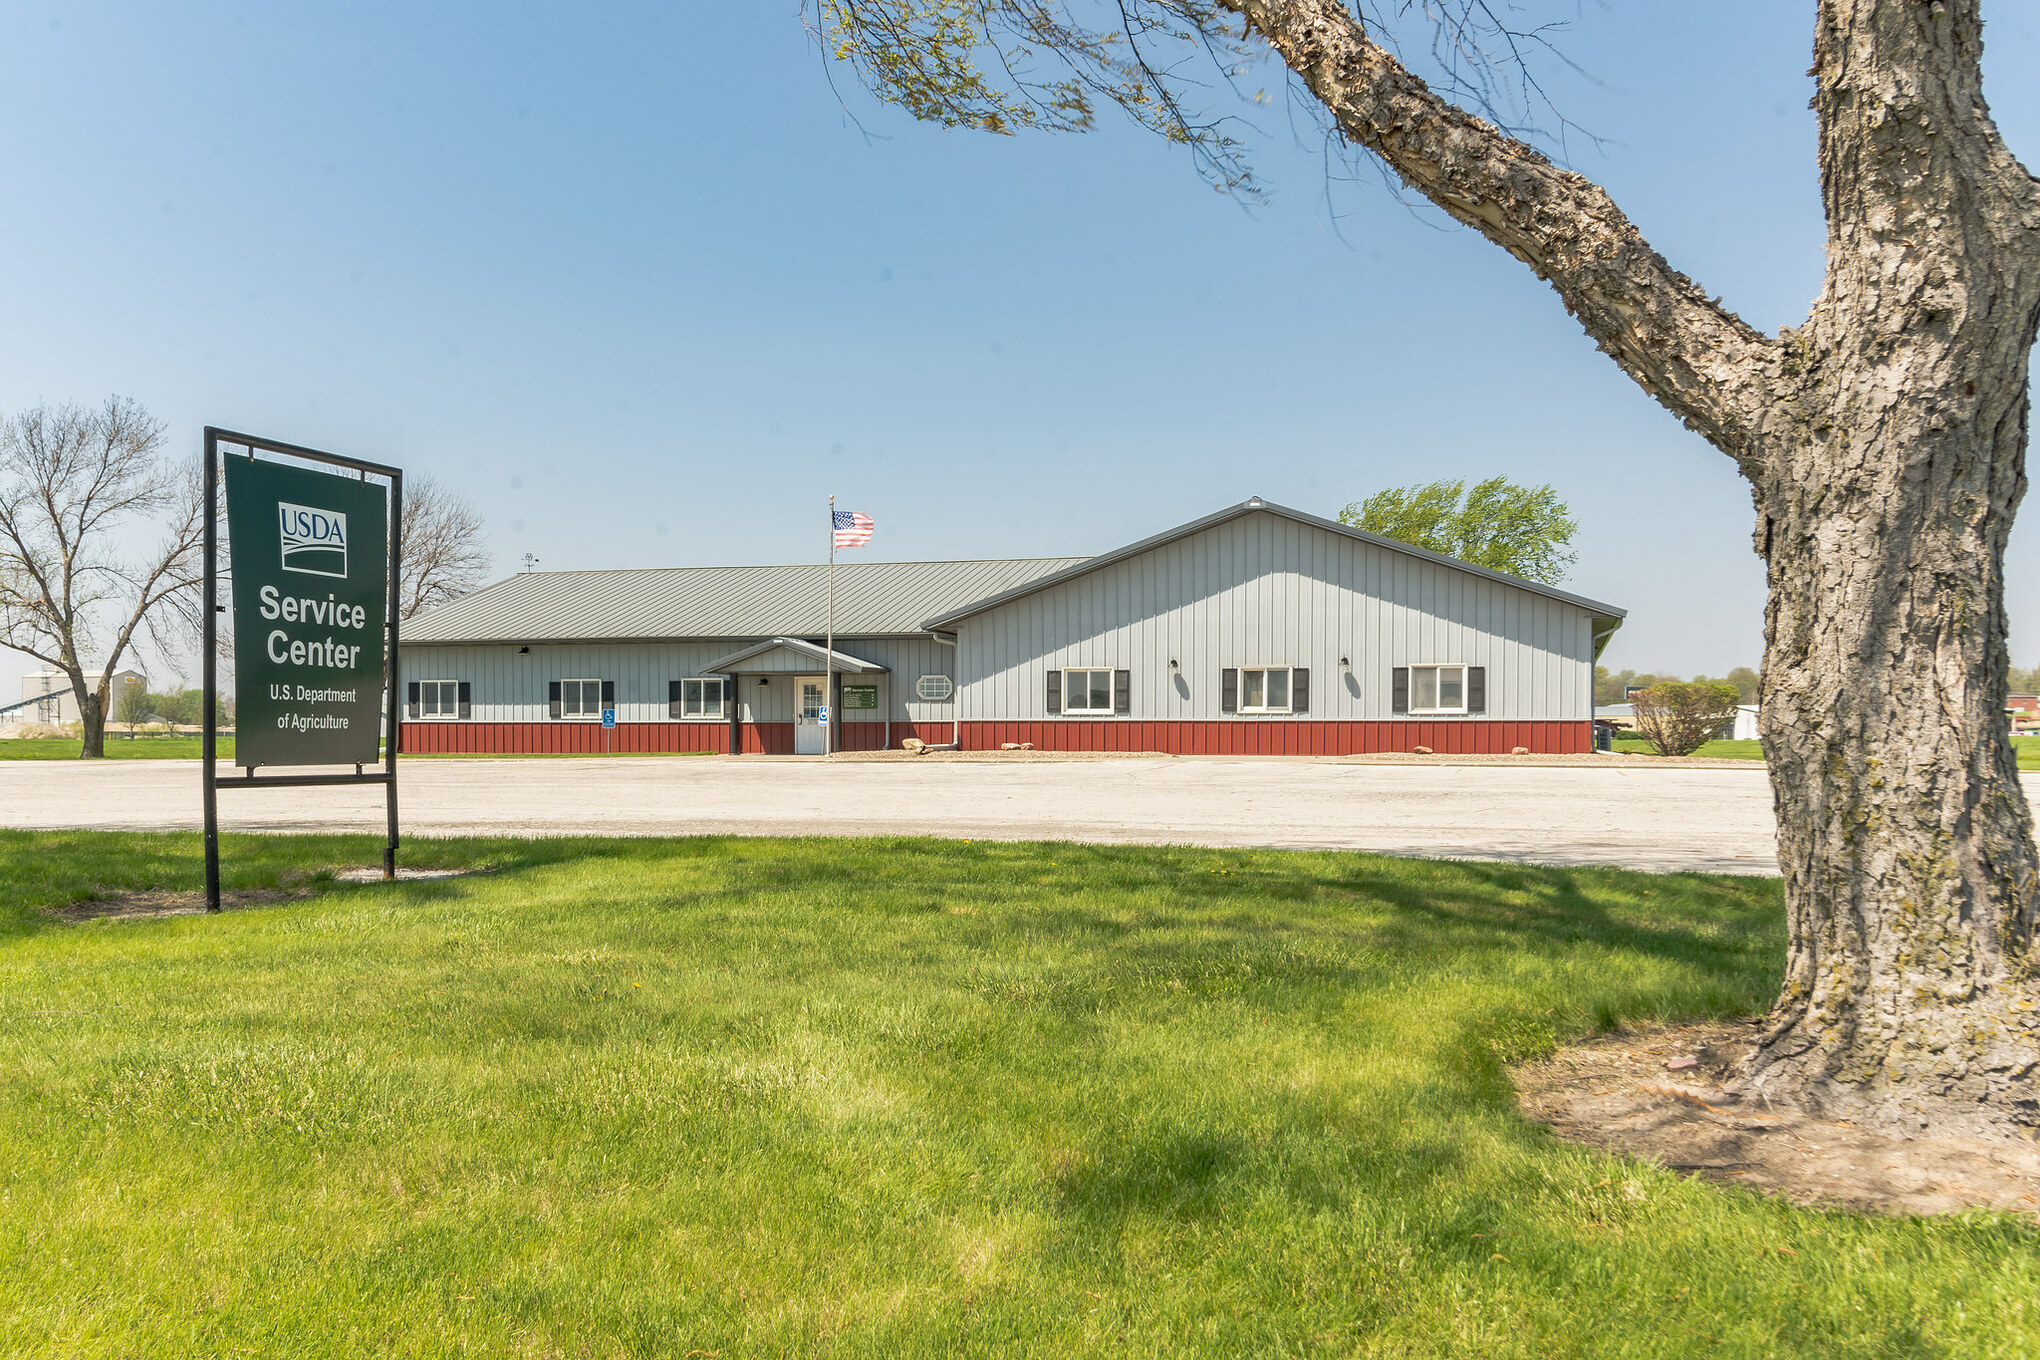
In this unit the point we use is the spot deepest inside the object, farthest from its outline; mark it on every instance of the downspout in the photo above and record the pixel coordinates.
(955, 702)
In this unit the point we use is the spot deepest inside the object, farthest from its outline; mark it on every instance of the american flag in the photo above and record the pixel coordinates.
(852, 529)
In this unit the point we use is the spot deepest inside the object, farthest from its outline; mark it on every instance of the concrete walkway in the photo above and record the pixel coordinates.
(1716, 820)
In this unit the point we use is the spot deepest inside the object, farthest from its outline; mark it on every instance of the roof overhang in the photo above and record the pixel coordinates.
(791, 656)
(1607, 617)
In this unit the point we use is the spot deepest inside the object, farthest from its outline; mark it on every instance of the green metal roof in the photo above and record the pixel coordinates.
(873, 599)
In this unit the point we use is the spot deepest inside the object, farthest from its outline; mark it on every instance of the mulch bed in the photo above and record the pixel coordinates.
(1623, 1093)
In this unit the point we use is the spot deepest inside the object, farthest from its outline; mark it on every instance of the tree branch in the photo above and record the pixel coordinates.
(1690, 353)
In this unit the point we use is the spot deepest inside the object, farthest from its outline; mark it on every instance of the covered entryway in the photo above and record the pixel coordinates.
(781, 687)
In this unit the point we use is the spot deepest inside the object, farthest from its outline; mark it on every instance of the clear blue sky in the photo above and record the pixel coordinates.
(628, 277)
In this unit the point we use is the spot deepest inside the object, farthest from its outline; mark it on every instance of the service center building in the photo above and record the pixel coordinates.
(1256, 630)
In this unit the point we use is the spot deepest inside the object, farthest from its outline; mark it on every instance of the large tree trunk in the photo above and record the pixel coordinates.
(1886, 478)
(1904, 834)
(92, 705)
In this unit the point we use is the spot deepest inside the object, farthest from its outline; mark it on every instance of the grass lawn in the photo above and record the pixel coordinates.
(2027, 749)
(180, 747)
(895, 1098)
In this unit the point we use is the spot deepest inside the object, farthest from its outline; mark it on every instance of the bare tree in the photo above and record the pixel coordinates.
(1883, 441)
(73, 484)
(446, 550)
(1678, 717)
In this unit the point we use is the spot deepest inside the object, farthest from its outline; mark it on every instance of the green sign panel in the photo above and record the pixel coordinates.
(311, 590)
(860, 696)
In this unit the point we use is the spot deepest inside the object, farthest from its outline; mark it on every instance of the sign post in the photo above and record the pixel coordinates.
(315, 556)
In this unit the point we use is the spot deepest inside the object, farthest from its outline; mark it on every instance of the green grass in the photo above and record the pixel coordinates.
(1719, 750)
(895, 1098)
(2027, 749)
(117, 748)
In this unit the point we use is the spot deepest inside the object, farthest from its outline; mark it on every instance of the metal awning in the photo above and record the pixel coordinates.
(791, 656)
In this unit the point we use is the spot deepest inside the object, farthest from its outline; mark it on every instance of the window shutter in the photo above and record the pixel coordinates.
(1055, 691)
(1122, 691)
(556, 698)
(1299, 689)
(1399, 701)
(413, 699)
(1229, 690)
(464, 692)
(1476, 689)
(609, 694)
(673, 698)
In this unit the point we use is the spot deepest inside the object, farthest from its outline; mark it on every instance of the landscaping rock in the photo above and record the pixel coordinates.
(1520, 751)
(1425, 751)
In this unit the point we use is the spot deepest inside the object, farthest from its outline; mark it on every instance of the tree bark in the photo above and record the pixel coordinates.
(1885, 445)
(1889, 476)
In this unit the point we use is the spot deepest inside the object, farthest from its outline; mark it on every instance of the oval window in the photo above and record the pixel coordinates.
(933, 687)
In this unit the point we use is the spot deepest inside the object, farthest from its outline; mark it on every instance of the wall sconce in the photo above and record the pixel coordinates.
(764, 679)
(1172, 663)
(524, 651)
(1345, 665)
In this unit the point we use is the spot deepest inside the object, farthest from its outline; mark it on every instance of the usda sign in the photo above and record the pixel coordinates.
(311, 584)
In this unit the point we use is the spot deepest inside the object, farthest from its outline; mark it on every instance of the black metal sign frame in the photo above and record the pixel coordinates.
(392, 717)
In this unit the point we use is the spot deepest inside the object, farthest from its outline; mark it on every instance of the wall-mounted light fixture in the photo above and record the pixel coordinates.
(1344, 664)
(764, 679)
(524, 651)
(1172, 663)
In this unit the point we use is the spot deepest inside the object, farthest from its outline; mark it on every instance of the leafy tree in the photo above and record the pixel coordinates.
(1748, 684)
(1522, 530)
(1884, 442)
(134, 707)
(1613, 688)
(1677, 717)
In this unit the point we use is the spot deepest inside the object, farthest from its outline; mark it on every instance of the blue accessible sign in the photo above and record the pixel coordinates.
(609, 717)
(825, 715)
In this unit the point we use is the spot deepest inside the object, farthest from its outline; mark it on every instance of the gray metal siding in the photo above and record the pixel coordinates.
(512, 687)
(1264, 589)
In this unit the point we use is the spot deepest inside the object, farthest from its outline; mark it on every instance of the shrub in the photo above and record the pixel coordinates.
(1677, 717)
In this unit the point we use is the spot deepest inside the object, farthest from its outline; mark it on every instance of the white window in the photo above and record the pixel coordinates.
(580, 698)
(933, 688)
(1264, 689)
(811, 700)
(439, 698)
(1437, 689)
(1087, 691)
(701, 698)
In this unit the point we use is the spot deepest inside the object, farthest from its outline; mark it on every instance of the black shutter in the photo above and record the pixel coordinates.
(464, 691)
(673, 698)
(609, 694)
(414, 699)
(1055, 691)
(1476, 689)
(1122, 691)
(1229, 690)
(1299, 689)
(556, 698)
(1399, 701)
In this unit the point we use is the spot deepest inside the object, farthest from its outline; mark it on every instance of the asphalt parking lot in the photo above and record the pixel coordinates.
(1716, 820)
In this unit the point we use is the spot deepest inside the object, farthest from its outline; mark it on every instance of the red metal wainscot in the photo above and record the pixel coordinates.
(1251, 738)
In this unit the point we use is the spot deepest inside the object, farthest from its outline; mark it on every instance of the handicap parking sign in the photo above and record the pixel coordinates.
(609, 717)
(825, 715)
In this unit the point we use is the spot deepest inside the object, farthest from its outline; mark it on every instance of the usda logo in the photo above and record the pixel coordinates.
(314, 541)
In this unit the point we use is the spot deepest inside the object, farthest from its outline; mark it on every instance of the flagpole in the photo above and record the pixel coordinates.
(829, 683)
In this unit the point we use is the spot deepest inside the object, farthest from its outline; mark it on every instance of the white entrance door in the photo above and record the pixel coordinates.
(808, 732)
